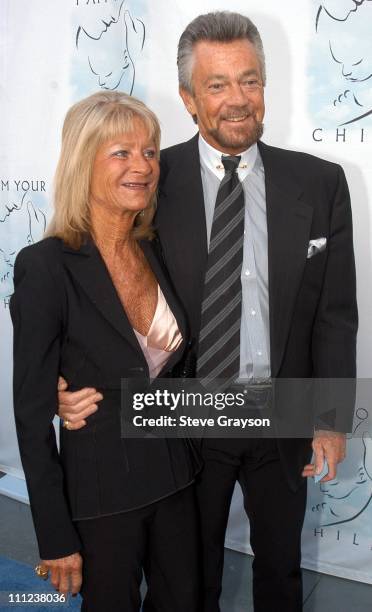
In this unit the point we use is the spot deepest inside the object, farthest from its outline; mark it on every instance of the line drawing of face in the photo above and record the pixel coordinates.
(340, 9)
(110, 39)
(350, 494)
(348, 34)
(29, 222)
(6, 273)
(95, 19)
(356, 66)
(9, 204)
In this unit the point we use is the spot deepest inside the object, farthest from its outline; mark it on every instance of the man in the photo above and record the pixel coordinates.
(295, 303)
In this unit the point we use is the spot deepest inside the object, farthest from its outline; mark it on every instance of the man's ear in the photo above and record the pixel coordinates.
(188, 101)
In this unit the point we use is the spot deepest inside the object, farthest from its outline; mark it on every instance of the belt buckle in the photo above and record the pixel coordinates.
(258, 392)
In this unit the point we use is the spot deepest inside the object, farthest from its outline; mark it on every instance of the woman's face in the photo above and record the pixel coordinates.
(125, 172)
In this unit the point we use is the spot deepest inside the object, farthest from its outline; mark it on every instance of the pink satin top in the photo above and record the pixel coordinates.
(163, 337)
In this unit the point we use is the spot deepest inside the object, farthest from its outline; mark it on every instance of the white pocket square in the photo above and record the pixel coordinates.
(316, 246)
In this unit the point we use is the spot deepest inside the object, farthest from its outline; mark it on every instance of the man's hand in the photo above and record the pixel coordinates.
(330, 445)
(76, 406)
(65, 573)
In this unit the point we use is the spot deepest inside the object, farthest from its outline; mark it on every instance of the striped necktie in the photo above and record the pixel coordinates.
(219, 339)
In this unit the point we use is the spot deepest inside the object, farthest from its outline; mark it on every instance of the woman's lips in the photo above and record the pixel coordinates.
(139, 186)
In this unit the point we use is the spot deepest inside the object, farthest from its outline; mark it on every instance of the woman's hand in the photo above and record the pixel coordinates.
(65, 573)
(75, 406)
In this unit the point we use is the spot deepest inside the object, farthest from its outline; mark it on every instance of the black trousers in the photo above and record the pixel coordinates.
(161, 540)
(275, 513)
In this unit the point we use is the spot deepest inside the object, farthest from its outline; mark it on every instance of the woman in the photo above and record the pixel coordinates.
(93, 303)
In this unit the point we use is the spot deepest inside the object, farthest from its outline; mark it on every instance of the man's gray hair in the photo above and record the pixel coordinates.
(221, 26)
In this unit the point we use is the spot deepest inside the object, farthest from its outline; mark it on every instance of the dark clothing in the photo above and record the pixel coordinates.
(313, 325)
(312, 301)
(68, 320)
(162, 538)
(275, 513)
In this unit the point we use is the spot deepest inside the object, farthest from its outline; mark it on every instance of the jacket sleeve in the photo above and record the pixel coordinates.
(336, 323)
(36, 311)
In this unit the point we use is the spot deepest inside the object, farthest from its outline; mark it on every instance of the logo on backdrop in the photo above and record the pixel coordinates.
(341, 70)
(350, 495)
(108, 41)
(22, 222)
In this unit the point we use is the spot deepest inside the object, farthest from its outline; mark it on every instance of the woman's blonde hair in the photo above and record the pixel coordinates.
(88, 124)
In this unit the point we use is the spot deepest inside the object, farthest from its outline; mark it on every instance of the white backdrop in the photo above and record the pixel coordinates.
(318, 99)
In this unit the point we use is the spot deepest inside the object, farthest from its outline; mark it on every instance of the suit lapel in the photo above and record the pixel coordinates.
(183, 186)
(89, 270)
(182, 229)
(288, 226)
(181, 225)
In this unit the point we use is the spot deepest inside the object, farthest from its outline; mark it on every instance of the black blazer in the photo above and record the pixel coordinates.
(312, 302)
(68, 319)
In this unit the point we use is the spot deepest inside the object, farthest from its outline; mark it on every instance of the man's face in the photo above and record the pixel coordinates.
(227, 96)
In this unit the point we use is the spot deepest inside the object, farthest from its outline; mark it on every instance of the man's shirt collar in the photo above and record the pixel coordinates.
(211, 159)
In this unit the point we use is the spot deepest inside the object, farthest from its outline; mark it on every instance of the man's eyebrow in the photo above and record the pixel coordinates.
(250, 72)
(224, 77)
(212, 77)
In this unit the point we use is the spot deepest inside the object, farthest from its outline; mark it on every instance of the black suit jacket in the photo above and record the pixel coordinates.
(68, 319)
(312, 302)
